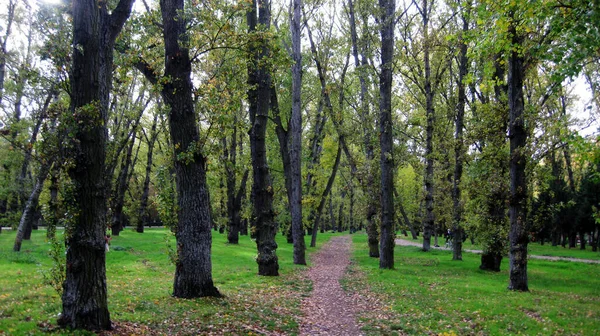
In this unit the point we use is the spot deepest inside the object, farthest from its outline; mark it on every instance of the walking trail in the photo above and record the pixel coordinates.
(404, 242)
(329, 310)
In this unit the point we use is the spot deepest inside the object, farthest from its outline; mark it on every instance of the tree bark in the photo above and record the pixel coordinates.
(428, 223)
(31, 206)
(517, 134)
(84, 295)
(193, 268)
(295, 199)
(386, 248)
(259, 94)
(459, 152)
(367, 122)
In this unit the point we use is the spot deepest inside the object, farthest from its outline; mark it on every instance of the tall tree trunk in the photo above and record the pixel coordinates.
(459, 152)
(84, 295)
(313, 241)
(259, 94)
(517, 134)
(386, 249)
(295, 199)
(193, 269)
(367, 122)
(428, 223)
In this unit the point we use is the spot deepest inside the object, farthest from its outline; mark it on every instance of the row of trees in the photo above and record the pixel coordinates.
(163, 114)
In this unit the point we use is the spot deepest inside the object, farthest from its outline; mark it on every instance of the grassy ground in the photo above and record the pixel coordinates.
(534, 248)
(140, 278)
(428, 293)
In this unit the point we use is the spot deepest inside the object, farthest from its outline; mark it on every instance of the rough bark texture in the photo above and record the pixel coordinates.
(459, 152)
(84, 290)
(295, 199)
(386, 249)
(259, 94)
(193, 268)
(518, 184)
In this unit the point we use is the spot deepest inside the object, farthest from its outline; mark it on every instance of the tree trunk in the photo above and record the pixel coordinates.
(313, 241)
(84, 295)
(463, 68)
(53, 211)
(428, 223)
(121, 188)
(295, 199)
(143, 211)
(193, 269)
(517, 134)
(386, 249)
(259, 94)
(364, 114)
(31, 206)
(235, 220)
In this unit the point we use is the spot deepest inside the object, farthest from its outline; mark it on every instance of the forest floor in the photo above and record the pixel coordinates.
(405, 242)
(336, 307)
(329, 310)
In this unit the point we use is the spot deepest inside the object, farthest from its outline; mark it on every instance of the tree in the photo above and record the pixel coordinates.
(259, 97)
(388, 17)
(296, 138)
(84, 290)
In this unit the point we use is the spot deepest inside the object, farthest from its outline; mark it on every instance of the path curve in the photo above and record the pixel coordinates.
(329, 310)
(404, 242)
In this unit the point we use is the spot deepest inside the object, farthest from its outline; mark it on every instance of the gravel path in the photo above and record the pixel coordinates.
(330, 310)
(404, 242)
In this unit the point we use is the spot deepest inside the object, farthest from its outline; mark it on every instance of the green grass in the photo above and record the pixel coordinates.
(534, 248)
(428, 293)
(140, 277)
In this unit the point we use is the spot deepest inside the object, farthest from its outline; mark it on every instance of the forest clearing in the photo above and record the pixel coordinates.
(427, 293)
(288, 150)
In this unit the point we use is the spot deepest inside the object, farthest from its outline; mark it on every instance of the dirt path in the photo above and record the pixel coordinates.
(404, 242)
(329, 310)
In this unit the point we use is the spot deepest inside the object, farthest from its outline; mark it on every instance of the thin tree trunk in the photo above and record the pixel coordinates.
(10, 15)
(517, 134)
(28, 216)
(313, 241)
(367, 122)
(235, 226)
(428, 223)
(295, 199)
(143, 211)
(122, 185)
